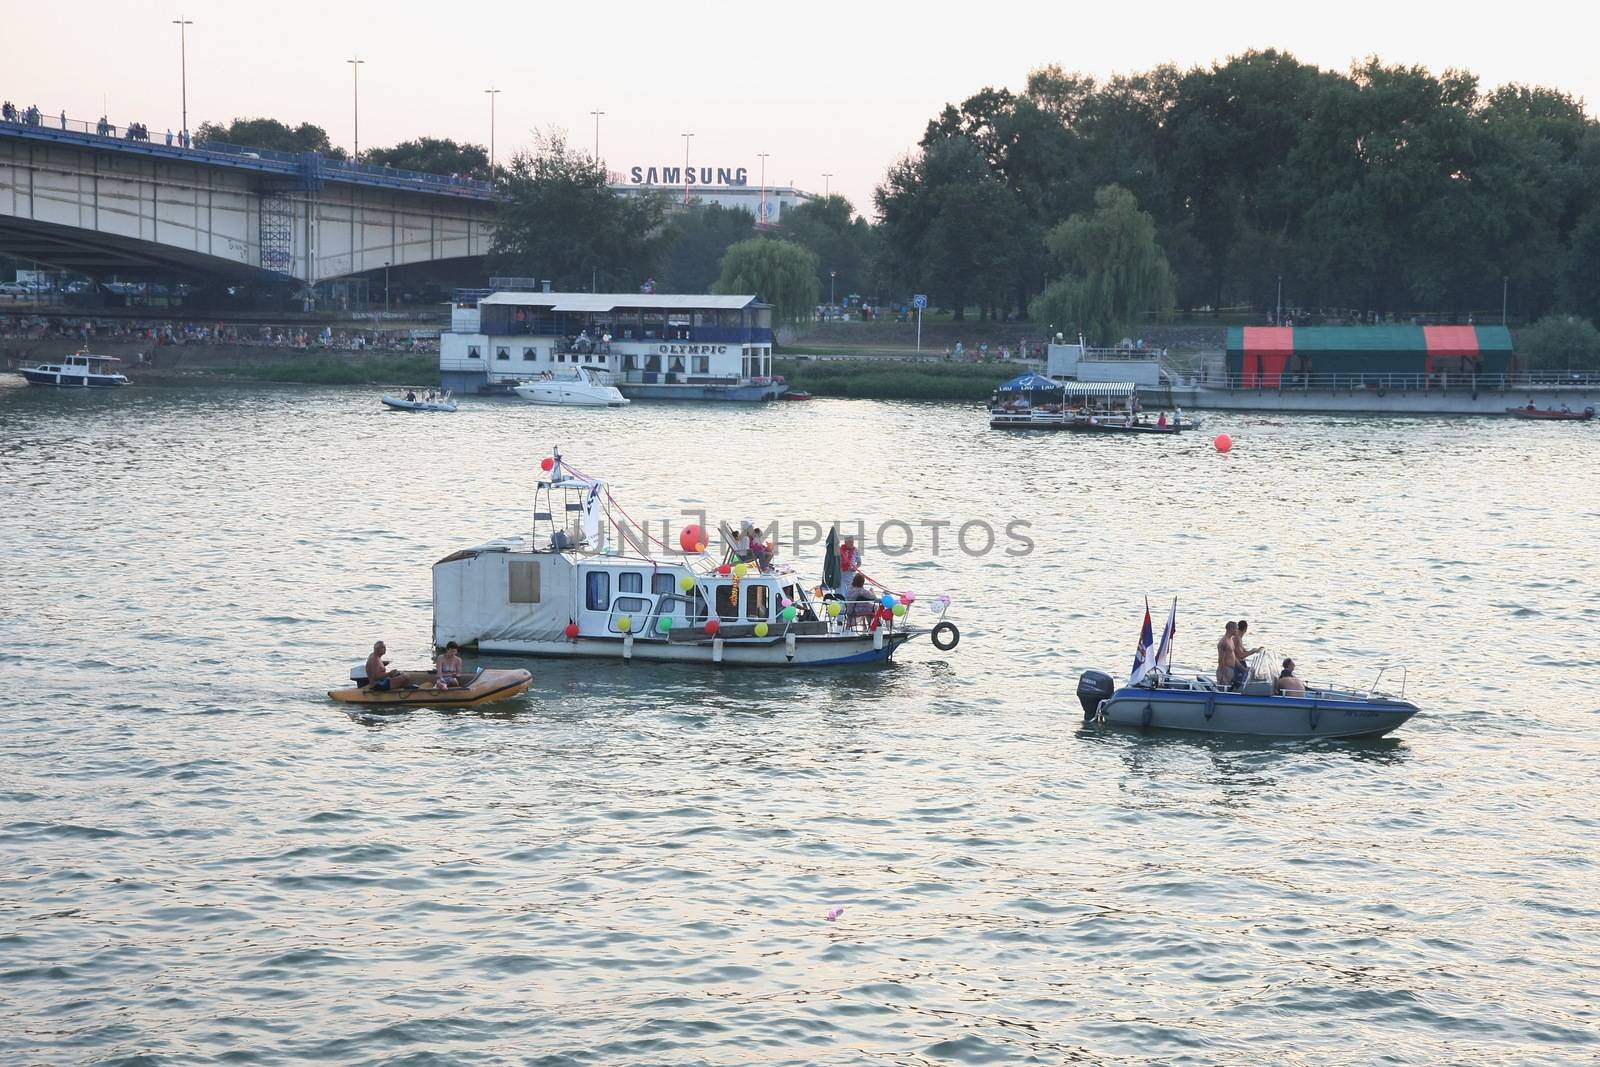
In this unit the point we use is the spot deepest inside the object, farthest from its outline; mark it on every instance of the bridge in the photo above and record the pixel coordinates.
(97, 200)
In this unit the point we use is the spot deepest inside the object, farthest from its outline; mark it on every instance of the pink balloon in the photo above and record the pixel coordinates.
(908, 598)
(834, 914)
(1223, 442)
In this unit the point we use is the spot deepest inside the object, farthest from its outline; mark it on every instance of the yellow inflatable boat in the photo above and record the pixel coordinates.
(416, 689)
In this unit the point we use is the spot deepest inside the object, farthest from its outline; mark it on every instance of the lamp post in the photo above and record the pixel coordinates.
(355, 88)
(827, 186)
(1505, 292)
(183, 70)
(597, 115)
(1279, 320)
(832, 274)
(386, 289)
(491, 93)
(762, 217)
(686, 137)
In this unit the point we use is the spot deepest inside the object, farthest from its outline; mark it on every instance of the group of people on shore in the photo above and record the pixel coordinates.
(1233, 668)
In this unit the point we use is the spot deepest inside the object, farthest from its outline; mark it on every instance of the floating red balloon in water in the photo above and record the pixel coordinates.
(547, 464)
(1223, 442)
(572, 629)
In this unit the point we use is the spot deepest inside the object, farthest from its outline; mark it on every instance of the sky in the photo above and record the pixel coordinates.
(823, 88)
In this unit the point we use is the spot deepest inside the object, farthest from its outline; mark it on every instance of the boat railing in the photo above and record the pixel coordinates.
(1382, 384)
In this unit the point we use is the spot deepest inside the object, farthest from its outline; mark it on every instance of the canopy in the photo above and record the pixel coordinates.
(832, 576)
(1029, 383)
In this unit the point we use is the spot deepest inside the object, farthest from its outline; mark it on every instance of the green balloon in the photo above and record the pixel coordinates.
(834, 608)
(762, 629)
(898, 609)
(788, 614)
(664, 623)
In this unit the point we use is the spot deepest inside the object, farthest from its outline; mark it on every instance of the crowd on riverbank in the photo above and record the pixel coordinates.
(162, 333)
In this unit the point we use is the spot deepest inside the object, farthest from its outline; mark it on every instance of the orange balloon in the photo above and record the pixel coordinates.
(1223, 442)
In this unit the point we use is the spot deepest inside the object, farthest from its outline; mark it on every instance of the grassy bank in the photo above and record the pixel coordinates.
(421, 369)
(869, 379)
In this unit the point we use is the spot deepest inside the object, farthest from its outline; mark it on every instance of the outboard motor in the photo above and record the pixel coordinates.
(1093, 687)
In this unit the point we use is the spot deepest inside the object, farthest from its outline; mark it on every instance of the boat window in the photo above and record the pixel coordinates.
(663, 583)
(702, 364)
(529, 354)
(473, 353)
(727, 608)
(757, 601)
(502, 352)
(522, 582)
(630, 582)
(597, 591)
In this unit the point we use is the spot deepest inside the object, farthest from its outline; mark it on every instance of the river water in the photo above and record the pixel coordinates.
(203, 858)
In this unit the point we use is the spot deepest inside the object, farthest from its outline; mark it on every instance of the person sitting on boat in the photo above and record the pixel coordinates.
(379, 677)
(449, 667)
(1288, 684)
(1161, 423)
(860, 603)
(849, 562)
(740, 545)
(760, 550)
(411, 394)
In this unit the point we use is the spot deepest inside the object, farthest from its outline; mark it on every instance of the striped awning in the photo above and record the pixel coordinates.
(1099, 389)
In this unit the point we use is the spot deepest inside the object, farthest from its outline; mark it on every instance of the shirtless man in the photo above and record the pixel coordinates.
(1241, 670)
(1288, 684)
(379, 676)
(1227, 655)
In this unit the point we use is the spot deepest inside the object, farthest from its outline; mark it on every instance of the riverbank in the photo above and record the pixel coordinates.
(147, 365)
(881, 379)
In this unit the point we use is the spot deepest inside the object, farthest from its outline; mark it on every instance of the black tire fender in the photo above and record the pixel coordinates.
(947, 630)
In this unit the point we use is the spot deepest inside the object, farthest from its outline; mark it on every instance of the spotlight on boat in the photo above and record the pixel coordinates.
(1093, 687)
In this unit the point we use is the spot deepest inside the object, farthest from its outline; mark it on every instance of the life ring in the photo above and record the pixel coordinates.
(948, 629)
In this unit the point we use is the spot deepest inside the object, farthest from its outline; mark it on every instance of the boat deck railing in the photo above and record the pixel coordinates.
(1381, 384)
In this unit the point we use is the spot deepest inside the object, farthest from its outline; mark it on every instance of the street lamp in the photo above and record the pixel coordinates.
(762, 218)
(183, 68)
(832, 274)
(597, 115)
(355, 87)
(492, 93)
(827, 185)
(686, 168)
(386, 289)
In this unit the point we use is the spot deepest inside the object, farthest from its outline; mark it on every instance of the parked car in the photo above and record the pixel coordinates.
(14, 289)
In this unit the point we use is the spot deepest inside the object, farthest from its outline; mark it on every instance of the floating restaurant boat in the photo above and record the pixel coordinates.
(1035, 402)
(607, 589)
(79, 370)
(428, 401)
(1157, 697)
(415, 689)
(584, 389)
(653, 346)
(1562, 414)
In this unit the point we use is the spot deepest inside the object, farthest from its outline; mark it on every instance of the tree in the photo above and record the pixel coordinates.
(560, 220)
(1114, 269)
(433, 155)
(1581, 280)
(839, 239)
(697, 237)
(269, 134)
(781, 273)
(1561, 342)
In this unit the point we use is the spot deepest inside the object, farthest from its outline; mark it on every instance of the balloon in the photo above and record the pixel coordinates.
(713, 626)
(740, 570)
(834, 608)
(888, 600)
(700, 546)
(899, 610)
(788, 614)
(572, 629)
(784, 601)
(625, 623)
(547, 464)
(686, 583)
(664, 624)
(1223, 442)
(724, 570)
(908, 598)
(691, 537)
(762, 629)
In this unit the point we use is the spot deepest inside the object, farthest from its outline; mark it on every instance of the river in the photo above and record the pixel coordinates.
(203, 858)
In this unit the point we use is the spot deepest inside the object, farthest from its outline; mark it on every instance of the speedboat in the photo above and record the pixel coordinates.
(80, 369)
(413, 689)
(411, 400)
(585, 389)
(607, 588)
(1563, 414)
(796, 394)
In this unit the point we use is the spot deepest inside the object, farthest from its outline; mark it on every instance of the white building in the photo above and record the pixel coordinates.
(729, 187)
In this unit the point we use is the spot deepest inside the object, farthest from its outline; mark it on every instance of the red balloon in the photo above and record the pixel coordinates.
(547, 464)
(725, 570)
(691, 537)
(1223, 442)
(572, 629)
(712, 626)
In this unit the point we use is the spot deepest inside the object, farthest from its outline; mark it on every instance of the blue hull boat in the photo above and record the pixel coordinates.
(1201, 706)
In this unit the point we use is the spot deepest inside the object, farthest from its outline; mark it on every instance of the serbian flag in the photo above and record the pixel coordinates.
(1141, 655)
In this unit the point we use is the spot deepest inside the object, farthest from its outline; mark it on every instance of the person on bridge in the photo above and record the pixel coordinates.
(63, 118)
(169, 137)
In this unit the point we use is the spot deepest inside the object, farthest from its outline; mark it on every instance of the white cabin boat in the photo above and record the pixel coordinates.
(562, 592)
(583, 388)
(79, 370)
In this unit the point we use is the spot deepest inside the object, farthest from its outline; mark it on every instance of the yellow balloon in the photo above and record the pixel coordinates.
(834, 607)
(686, 583)
(740, 570)
(762, 629)
(625, 623)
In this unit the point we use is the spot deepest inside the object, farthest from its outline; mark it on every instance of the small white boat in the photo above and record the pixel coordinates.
(606, 589)
(585, 389)
(412, 400)
(79, 370)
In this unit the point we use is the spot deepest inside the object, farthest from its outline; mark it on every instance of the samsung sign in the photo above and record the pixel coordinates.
(689, 176)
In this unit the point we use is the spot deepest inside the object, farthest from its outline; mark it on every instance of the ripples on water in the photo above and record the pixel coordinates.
(201, 857)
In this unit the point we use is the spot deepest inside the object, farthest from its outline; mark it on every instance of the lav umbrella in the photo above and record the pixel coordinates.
(832, 577)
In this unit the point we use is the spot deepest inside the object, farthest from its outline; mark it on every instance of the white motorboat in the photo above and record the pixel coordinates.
(412, 400)
(584, 389)
(607, 589)
(79, 370)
